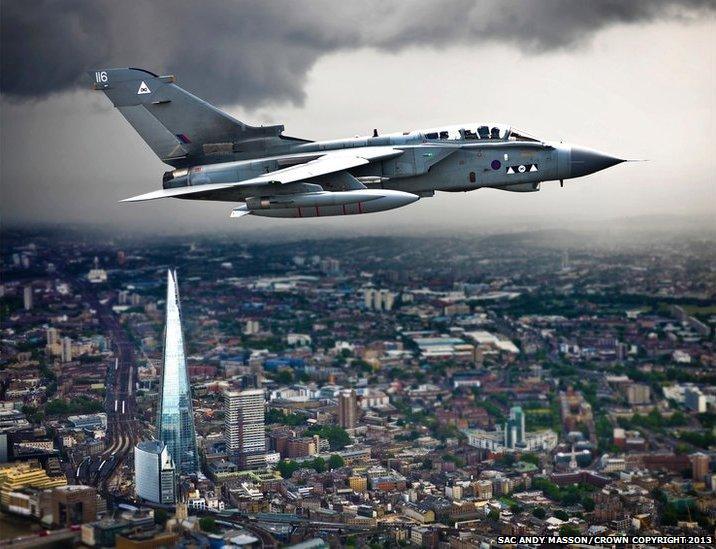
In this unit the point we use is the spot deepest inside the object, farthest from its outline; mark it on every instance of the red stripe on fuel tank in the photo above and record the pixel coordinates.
(300, 214)
(318, 212)
(344, 209)
(360, 207)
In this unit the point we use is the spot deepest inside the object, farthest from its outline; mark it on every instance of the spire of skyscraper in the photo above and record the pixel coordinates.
(175, 421)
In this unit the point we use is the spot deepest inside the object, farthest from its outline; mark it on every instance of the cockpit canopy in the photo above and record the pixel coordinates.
(468, 132)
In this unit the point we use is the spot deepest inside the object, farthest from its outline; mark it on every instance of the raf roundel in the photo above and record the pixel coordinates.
(496, 164)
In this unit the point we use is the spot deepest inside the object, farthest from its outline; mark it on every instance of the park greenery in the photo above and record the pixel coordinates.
(78, 405)
(279, 416)
(318, 464)
(575, 494)
(336, 436)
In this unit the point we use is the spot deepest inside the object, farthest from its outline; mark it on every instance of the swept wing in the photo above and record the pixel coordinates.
(330, 163)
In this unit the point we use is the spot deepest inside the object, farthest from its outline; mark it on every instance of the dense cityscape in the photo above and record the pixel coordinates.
(367, 392)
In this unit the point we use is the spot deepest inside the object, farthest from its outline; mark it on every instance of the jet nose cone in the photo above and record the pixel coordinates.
(585, 161)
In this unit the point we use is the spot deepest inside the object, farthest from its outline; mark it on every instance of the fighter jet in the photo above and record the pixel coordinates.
(216, 157)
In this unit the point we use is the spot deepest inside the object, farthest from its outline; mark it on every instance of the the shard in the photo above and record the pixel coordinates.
(175, 421)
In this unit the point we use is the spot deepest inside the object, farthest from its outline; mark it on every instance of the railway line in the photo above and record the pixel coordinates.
(123, 428)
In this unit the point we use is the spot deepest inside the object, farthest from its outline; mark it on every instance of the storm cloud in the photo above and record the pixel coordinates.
(254, 53)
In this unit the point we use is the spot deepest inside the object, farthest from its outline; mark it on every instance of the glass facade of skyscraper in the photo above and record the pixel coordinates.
(154, 478)
(175, 421)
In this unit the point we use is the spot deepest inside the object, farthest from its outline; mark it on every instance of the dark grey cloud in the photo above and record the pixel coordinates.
(249, 53)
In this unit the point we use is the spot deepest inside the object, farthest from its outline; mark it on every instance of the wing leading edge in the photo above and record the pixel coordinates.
(329, 163)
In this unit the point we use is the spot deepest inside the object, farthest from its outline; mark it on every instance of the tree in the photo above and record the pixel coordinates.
(568, 530)
(335, 462)
(78, 405)
(33, 414)
(508, 460)
(160, 516)
(57, 406)
(286, 468)
(284, 377)
(588, 504)
(494, 514)
(561, 515)
(337, 437)
(319, 464)
(571, 498)
(539, 512)
(208, 525)
(274, 415)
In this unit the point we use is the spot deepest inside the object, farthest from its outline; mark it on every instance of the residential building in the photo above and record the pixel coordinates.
(347, 409)
(66, 352)
(638, 393)
(515, 428)
(244, 426)
(699, 466)
(27, 298)
(694, 399)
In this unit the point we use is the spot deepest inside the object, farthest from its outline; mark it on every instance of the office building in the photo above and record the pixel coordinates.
(244, 427)
(175, 422)
(154, 473)
(347, 409)
(73, 505)
(14, 477)
(515, 428)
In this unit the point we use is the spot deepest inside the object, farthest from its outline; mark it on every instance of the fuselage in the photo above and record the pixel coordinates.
(448, 158)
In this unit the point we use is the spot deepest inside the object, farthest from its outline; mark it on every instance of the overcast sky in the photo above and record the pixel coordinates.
(634, 79)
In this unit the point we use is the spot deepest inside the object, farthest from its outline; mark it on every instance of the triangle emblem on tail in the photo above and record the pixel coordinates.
(143, 88)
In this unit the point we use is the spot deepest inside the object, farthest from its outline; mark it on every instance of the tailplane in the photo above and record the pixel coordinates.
(179, 127)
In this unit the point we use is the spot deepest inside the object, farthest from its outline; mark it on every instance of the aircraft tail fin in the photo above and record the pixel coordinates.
(179, 127)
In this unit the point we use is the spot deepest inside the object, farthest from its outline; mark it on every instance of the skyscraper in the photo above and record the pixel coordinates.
(515, 428)
(66, 353)
(27, 297)
(347, 409)
(175, 421)
(154, 475)
(244, 427)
